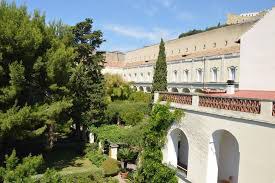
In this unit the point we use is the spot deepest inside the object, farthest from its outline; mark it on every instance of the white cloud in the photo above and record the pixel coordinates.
(153, 35)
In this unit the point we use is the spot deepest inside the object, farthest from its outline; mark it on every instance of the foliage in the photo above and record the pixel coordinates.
(96, 157)
(35, 66)
(116, 87)
(152, 169)
(140, 97)
(130, 113)
(95, 176)
(110, 167)
(126, 154)
(196, 31)
(20, 171)
(87, 81)
(160, 70)
(120, 135)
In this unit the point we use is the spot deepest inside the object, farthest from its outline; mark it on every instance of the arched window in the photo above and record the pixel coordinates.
(186, 75)
(232, 73)
(199, 75)
(175, 76)
(214, 72)
(148, 76)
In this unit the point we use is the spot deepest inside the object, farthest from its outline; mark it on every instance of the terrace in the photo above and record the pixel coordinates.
(250, 105)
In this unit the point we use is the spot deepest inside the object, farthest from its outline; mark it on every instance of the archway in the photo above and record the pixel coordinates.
(185, 90)
(140, 88)
(178, 150)
(223, 158)
(148, 89)
(175, 90)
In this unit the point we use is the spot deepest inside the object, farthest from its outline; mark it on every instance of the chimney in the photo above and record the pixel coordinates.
(230, 88)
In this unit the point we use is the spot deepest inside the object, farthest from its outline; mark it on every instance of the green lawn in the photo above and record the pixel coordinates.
(68, 159)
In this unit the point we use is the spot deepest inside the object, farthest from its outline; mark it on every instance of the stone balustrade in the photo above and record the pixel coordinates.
(233, 104)
(230, 106)
(176, 98)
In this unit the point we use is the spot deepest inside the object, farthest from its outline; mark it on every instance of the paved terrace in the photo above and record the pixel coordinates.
(249, 105)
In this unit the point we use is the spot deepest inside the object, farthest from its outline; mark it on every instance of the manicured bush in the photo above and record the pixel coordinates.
(110, 167)
(96, 157)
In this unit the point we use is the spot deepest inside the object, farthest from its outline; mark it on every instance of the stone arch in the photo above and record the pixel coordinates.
(178, 150)
(175, 90)
(185, 90)
(135, 88)
(223, 157)
(140, 88)
(148, 89)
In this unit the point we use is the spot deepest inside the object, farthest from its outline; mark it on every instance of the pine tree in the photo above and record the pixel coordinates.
(87, 81)
(160, 73)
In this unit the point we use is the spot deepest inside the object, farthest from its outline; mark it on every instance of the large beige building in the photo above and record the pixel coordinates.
(223, 137)
(203, 60)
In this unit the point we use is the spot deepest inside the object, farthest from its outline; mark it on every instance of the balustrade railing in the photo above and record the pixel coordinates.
(234, 104)
(176, 98)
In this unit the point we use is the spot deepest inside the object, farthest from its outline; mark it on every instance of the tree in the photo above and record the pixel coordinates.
(160, 74)
(87, 81)
(151, 169)
(35, 66)
(116, 87)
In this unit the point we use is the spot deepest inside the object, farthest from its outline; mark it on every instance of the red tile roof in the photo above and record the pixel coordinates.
(264, 95)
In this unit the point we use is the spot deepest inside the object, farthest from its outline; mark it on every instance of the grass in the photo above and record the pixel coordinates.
(68, 158)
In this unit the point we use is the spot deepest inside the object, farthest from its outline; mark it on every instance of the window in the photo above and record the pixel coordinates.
(172, 52)
(186, 50)
(199, 75)
(204, 46)
(232, 73)
(148, 76)
(214, 72)
(214, 45)
(195, 48)
(226, 43)
(179, 50)
(175, 76)
(141, 76)
(186, 76)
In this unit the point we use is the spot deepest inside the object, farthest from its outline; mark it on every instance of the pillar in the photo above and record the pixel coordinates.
(91, 138)
(113, 151)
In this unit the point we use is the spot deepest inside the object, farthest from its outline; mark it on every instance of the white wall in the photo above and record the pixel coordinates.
(257, 60)
(256, 146)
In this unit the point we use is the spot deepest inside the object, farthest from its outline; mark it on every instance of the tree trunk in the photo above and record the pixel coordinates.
(77, 131)
(51, 135)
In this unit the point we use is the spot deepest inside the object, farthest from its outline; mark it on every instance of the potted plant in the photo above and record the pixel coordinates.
(125, 155)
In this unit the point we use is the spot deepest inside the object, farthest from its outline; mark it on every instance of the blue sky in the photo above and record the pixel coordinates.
(130, 24)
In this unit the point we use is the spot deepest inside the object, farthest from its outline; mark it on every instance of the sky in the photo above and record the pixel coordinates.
(131, 24)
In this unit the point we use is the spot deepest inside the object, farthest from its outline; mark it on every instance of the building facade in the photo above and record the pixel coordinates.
(203, 60)
(222, 138)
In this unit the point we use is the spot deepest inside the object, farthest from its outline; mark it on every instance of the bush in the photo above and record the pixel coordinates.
(141, 97)
(96, 157)
(110, 167)
(130, 113)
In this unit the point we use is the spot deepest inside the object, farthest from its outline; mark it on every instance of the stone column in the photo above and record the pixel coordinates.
(156, 97)
(91, 138)
(100, 148)
(113, 151)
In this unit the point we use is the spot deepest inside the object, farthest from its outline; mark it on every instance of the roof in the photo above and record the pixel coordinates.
(263, 95)
(208, 53)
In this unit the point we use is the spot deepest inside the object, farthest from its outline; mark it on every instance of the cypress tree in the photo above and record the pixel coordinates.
(160, 70)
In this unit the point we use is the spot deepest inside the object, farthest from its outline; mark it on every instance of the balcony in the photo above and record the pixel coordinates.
(255, 109)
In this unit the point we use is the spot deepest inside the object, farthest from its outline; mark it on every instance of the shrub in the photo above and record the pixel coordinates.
(131, 113)
(140, 97)
(96, 157)
(110, 167)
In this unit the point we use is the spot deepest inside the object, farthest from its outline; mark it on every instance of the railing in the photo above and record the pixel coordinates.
(233, 104)
(273, 109)
(176, 98)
